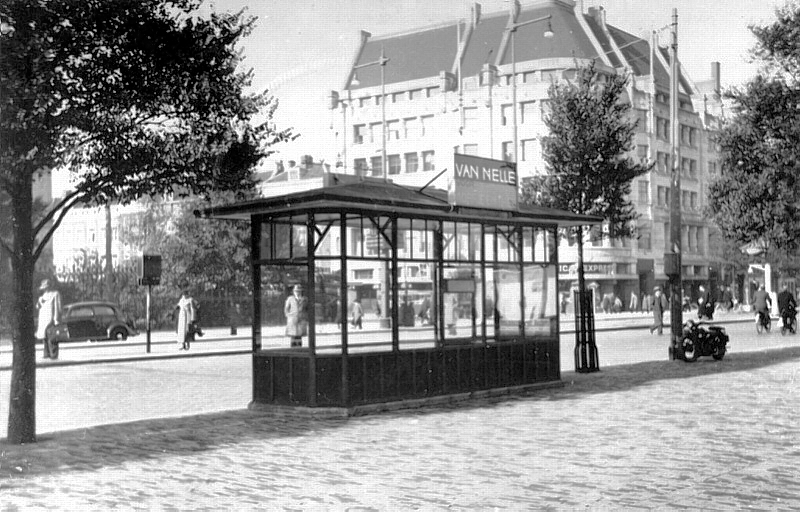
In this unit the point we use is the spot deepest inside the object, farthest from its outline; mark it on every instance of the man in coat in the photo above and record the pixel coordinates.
(659, 305)
(705, 304)
(296, 311)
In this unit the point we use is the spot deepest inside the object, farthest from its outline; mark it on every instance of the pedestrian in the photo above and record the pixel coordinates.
(296, 311)
(357, 314)
(617, 308)
(633, 305)
(564, 302)
(787, 307)
(659, 305)
(424, 311)
(49, 306)
(727, 299)
(186, 314)
(705, 304)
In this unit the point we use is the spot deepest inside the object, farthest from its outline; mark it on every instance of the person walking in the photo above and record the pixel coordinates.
(451, 312)
(705, 304)
(186, 315)
(49, 306)
(634, 303)
(356, 314)
(787, 307)
(659, 305)
(296, 310)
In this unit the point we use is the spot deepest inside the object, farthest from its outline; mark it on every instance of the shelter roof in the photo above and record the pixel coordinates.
(344, 193)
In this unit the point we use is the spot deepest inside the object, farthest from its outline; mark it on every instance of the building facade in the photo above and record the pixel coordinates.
(449, 89)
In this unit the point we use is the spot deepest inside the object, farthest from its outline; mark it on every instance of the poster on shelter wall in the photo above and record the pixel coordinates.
(484, 183)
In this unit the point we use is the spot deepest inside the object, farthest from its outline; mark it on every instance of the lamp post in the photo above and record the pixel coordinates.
(512, 29)
(382, 63)
(676, 285)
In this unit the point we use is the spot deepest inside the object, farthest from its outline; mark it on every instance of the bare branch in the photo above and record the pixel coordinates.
(65, 208)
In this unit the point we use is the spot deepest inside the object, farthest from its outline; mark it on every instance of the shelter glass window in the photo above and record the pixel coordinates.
(283, 240)
(540, 300)
(422, 237)
(327, 237)
(507, 244)
(507, 284)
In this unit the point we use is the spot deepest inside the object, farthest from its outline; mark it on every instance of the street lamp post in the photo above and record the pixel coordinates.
(512, 29)
(382, 63)
(676, 285)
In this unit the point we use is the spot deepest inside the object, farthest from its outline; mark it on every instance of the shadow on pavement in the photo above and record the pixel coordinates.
(105, 446)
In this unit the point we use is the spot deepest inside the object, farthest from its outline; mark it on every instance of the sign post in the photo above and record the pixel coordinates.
(150, 275)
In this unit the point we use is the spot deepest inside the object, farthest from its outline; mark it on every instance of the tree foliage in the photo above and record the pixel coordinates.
(754, 199)
(587, 152)
(135, 98)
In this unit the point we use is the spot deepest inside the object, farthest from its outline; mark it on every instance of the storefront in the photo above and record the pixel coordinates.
(481, 284)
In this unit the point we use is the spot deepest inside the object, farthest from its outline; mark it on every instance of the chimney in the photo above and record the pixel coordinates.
(715, 76)
(599, 15)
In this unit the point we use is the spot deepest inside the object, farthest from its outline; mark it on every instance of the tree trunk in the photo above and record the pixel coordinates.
(581, 275)
(22, 398)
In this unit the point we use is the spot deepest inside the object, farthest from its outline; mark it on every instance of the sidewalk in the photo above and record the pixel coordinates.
(655, 435)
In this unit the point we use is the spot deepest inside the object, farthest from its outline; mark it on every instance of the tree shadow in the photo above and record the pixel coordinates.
(102, 446)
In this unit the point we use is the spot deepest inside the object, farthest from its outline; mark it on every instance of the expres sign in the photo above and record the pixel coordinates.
(484, 183)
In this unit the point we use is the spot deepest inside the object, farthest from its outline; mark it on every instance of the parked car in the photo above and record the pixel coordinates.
(83, 321)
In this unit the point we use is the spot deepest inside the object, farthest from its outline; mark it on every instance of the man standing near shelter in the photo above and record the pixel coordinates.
(660, 305)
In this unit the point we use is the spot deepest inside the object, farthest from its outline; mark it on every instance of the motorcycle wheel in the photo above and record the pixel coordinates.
(689, 350)
(719, 353)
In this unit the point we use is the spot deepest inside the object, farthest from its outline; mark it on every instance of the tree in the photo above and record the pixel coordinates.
(587, 154)
(135, 98)
(754, 199)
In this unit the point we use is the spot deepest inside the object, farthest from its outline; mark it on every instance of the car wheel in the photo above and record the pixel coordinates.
(119, 334)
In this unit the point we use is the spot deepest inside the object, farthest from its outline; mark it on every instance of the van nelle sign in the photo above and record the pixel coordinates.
(484, 183)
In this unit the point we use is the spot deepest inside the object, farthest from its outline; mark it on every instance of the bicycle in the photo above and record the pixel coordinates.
(764, 322)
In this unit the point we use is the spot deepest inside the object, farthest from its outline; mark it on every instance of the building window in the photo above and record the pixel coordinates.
(663, 162)
(427, 161)
(471, 149)
(663, 196)
(362, 102)
(641, 120)
(526, 112)
(641, 152)
(393, 130)
(412, 162)
(693, 201)
(644, 192)
(414, 94)
(662, 128)
(426, 125)
(471, 118)
(544, 106)
(508, 151)
(412, 128)
(529, 149)
(394, 164)
(377, 100)
(358, 133)
(430, 92)
(375, 132)
(360, 166)
(398, 97)
(505, 115)
(377, 167)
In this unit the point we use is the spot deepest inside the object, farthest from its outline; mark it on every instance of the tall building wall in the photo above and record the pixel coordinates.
(428, 118)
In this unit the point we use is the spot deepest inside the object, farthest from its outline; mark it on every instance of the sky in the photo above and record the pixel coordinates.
(300, 50)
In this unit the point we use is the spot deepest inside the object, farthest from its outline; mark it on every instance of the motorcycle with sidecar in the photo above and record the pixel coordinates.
(702, 339)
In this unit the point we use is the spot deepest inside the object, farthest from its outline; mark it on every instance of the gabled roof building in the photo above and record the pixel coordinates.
(447, 89)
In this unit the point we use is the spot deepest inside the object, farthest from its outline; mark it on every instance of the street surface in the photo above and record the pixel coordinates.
(644, 433)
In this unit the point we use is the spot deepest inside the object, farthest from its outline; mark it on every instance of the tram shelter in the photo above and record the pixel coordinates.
(466, 298)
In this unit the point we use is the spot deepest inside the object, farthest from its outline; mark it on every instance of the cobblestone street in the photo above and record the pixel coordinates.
(652, 435)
